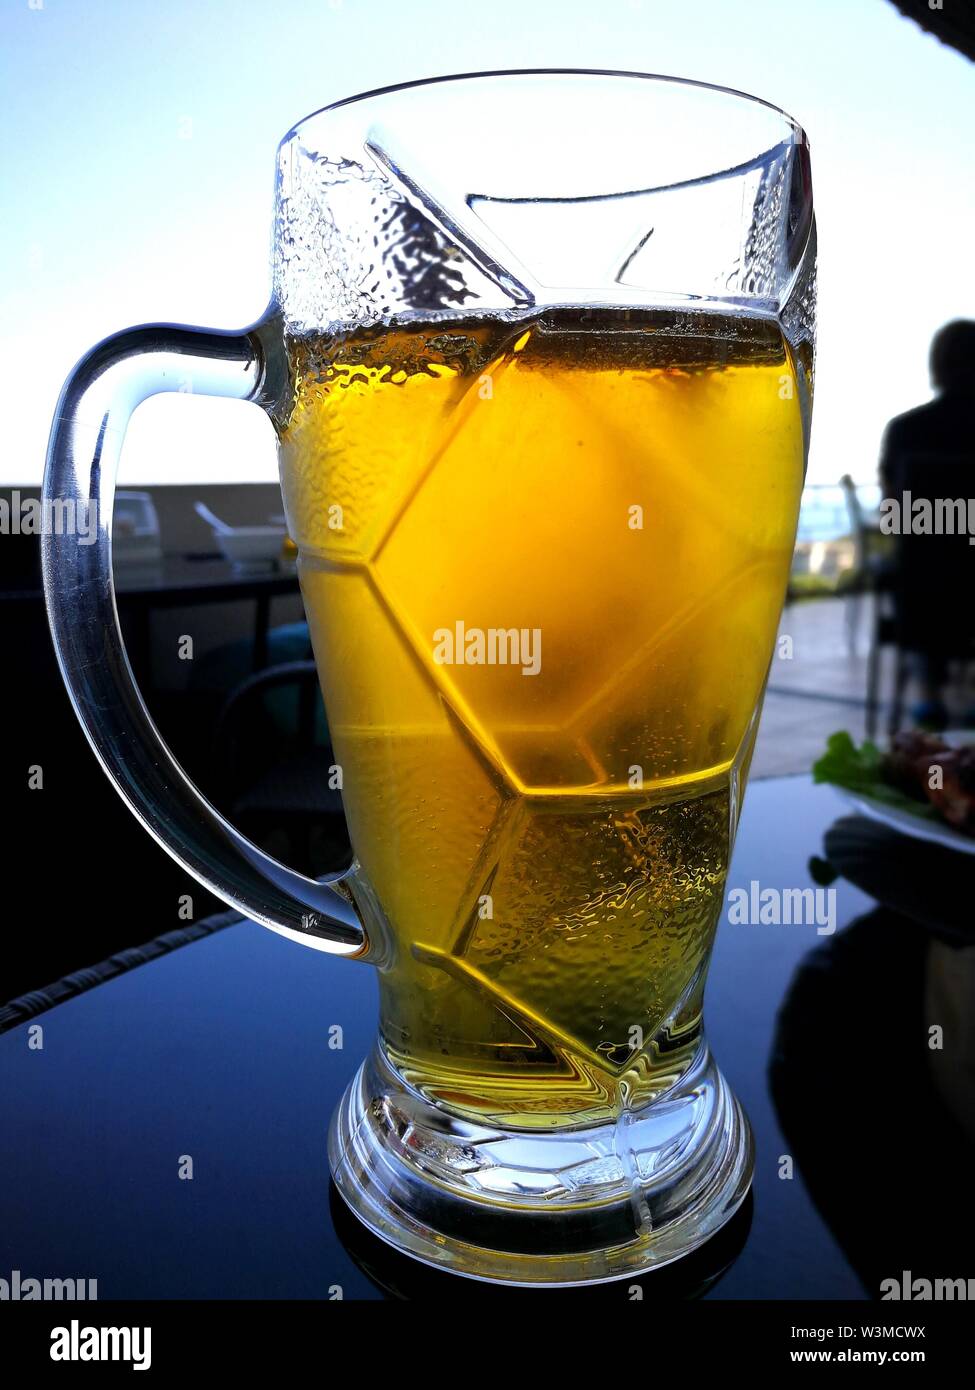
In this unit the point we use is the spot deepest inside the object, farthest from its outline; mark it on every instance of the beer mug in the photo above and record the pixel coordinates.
(539, 360)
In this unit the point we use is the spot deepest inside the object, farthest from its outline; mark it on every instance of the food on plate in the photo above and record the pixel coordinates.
(921, 773)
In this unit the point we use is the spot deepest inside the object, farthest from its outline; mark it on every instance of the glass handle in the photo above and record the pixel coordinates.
(79, 482)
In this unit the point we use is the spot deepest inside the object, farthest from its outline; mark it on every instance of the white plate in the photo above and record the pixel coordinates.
(937, 832)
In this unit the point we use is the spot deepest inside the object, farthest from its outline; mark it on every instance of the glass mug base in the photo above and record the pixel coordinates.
(577, 1206)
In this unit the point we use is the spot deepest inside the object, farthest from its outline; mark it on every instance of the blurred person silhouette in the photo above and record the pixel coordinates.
(928, 455)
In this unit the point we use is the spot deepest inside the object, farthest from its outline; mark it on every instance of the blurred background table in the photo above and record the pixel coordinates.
(182, 581)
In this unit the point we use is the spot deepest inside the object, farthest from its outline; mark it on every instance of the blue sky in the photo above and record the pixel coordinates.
(138, 155)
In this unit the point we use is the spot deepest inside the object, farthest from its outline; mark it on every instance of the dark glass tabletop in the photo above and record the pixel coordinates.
(223, 1053)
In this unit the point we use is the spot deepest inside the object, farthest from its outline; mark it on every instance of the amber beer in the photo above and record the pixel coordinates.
(548, 832)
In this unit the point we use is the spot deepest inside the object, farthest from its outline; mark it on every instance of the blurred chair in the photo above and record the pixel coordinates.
(873, 577)
(863, 535)
(221, 668)
(276, 785)
(885, 634)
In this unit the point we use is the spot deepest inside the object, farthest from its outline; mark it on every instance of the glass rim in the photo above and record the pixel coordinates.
(801, 136)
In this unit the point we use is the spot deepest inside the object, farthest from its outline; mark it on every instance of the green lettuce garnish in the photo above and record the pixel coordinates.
(861, 770)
